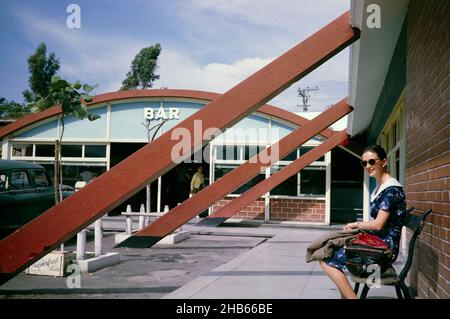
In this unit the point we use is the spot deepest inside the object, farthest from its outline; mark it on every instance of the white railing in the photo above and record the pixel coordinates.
(144, 217)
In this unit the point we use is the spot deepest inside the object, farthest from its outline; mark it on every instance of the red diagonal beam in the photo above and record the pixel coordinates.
(64, 220)
(184, 212)
(273, 181)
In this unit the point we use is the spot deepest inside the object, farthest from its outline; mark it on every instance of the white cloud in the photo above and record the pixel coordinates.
(234, 51)
(180, 71)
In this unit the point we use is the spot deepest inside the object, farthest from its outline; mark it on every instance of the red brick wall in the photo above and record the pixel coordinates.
(299, 210)
(253, 211)
(427, 148)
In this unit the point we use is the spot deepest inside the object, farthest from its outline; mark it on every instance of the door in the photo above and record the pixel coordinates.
(25, 196)
(44, 190)
(9, 218)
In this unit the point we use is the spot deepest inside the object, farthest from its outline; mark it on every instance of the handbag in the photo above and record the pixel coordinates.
(364, 251)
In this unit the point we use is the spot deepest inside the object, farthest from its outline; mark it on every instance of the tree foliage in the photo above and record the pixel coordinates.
(41, 68)
(11, 109)
(70, 96)
(142, 72)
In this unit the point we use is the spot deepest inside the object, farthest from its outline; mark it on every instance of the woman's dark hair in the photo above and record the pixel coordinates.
(377, 149)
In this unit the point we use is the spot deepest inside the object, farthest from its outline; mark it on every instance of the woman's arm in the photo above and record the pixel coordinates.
(377, 224)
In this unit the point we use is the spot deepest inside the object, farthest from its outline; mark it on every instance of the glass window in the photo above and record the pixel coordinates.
(392, 140)
(71, 150)
(74, 173)
(397, 164)
(232, 153)
(221, 170)
(95, 151)
(40, 179)
(197, 157)
(305, 149)
(22, 150)
(312, 182)
(45, 150)
(228, 152)
(252, 150)
(394, 133)
(50, 169)
(2, 182)
(19, 180)
(256, 180)
(291, 157)
(219, 153)
(287, 188)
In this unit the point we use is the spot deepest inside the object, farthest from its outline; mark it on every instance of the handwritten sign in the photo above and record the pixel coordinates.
(53, 264)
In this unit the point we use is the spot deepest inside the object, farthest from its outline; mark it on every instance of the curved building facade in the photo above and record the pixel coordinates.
(125, 125)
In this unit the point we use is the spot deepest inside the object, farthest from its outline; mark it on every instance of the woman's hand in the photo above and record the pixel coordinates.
(350, 226)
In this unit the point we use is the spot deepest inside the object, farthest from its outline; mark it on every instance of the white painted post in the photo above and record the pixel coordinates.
(141, 218)
(129, 229)
(147, 210)
(267, 200)
(147, 218)
(81, 244)
(98, 240)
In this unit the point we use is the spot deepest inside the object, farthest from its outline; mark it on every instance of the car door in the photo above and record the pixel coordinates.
(25, 196)
(44, 190)
(9, 217)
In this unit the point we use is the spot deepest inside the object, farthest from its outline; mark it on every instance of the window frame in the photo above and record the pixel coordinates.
(392, 139)
(316, 165)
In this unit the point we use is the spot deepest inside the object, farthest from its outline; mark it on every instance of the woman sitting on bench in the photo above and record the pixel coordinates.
(387, 207)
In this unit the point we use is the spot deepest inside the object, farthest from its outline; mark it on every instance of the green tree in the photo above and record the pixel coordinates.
(72, 98)
(142, 72)
(11, 109)
(41, 68)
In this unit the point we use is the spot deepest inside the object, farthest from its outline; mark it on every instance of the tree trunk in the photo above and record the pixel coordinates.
(56, 169)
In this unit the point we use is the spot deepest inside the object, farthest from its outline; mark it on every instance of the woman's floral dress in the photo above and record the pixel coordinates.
(392, 200)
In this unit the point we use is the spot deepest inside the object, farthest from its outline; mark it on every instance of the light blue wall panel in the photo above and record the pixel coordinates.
(76, 128)
(127, 119)
(48, 130)
(249, 130)
(186, 110)
(280, 130)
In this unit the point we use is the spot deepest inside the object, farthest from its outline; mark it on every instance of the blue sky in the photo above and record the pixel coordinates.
(208, 45)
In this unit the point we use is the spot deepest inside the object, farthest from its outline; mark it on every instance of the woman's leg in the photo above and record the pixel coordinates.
(340, 280)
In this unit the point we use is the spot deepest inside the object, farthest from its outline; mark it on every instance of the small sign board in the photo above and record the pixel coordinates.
(53, 264)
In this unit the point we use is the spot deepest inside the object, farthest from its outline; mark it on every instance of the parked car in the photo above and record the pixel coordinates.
(26, 191)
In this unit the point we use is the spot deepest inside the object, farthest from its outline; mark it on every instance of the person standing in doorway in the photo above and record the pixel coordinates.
(198, 181)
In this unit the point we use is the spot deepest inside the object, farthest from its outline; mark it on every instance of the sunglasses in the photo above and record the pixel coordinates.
(371, 162)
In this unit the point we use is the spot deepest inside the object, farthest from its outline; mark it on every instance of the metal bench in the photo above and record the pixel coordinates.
(389, 277)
